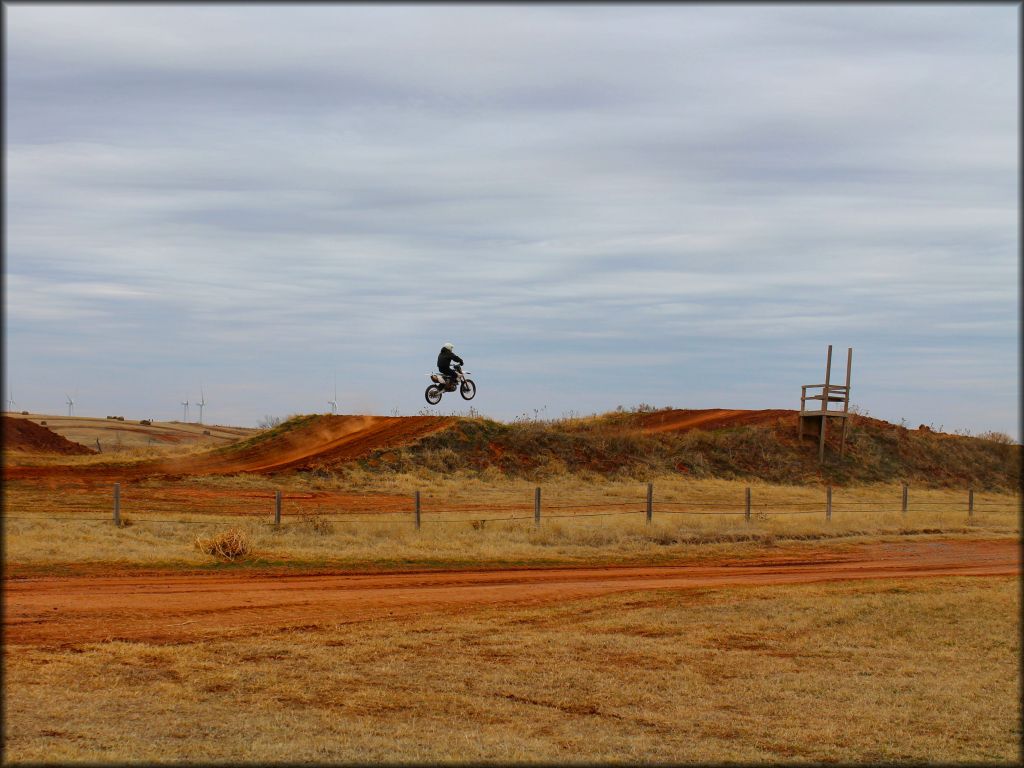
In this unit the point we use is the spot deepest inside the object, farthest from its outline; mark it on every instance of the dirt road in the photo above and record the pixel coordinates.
(181, 608)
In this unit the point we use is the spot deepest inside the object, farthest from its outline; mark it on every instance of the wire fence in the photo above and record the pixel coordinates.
(282, 509)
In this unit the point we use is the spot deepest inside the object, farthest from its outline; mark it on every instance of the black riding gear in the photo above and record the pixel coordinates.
(444, 362)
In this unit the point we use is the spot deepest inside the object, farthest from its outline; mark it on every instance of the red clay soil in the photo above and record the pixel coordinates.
(709, 418)
(325, 441)
(63, 611)
(25, 435)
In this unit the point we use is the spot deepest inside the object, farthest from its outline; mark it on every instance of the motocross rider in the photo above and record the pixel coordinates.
(444, 362)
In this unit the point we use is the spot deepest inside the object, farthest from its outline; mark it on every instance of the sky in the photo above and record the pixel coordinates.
(598, 205)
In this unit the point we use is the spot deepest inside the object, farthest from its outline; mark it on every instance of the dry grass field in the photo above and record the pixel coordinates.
(465, 521)
(268, 668)
(860, 672)
(123, 437)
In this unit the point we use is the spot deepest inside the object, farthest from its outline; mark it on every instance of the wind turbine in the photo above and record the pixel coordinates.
(201, 403)
(10, 401)
(334, 403)
(71, 405)
(185, 403)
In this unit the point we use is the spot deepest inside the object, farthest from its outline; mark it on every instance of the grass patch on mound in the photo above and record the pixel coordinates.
(614, 446)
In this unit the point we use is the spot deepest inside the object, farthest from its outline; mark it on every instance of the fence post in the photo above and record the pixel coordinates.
(905, 488)
(828, 503)
(117, 504)
(747, 514)
(650, 502)
(277, 508)
(417, 510)
(970, 502)
(536, 507)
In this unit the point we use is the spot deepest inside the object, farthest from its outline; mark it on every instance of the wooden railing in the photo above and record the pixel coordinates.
(830, 393)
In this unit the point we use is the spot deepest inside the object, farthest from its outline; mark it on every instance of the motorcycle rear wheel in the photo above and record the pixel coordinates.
(468, 389)
(433, 394)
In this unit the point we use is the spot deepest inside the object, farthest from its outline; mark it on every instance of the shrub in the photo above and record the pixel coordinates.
(233, 544)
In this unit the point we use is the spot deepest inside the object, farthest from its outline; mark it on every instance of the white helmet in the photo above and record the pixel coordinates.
(449, 346)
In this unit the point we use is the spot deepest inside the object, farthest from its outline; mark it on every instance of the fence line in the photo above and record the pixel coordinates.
(827, 507)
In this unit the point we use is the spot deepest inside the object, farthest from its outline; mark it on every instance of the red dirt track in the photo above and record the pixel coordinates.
(325, 440)
(328, 439)
(61, 611)
(708, 418)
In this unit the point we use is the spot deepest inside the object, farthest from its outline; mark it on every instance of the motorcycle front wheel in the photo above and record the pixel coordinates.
(433, 394)
(467, 390)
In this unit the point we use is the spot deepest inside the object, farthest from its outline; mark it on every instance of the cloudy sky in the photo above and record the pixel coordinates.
(598, 205)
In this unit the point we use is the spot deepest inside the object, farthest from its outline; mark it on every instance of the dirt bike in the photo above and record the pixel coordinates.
(441, 385)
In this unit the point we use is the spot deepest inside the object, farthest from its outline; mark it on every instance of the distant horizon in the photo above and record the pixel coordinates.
(439, 412)
(679, 205)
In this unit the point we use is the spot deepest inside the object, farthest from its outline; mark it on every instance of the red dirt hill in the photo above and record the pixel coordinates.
(25, 435)
(708, 418)
(299, 444)
(320, 440)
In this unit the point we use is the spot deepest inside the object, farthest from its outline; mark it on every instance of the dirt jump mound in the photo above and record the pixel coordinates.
(308, 443)
(25, 435)
(302, 443)
(708, 418)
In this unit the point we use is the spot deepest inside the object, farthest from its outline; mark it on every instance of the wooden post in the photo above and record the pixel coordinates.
(536, 507)
(650, 502)
(417, 510)
(905, 489)
(747, 515)
(824, 405)
(970, 502)
(277, 508)
(803, 407)
(117, 504)
(846, 403)
(828, 503)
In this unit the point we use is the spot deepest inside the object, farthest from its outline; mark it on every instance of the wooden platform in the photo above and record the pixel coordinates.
(814, 423)
(810, 422)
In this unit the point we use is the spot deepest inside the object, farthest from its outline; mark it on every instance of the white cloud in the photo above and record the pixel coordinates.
(348, 186)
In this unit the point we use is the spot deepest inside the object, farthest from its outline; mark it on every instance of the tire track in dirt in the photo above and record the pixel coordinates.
(57, 611)
(709, 418)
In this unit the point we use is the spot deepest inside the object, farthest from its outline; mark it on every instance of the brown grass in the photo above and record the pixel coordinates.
(854, 672)
(112, 456)
(231, 545)
(320, 529)
(614, 445)
(124, 436)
